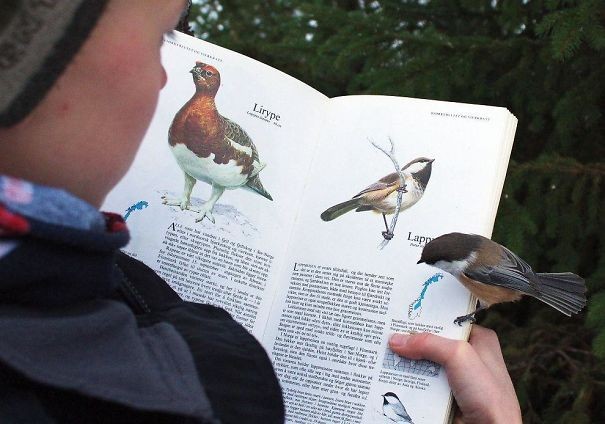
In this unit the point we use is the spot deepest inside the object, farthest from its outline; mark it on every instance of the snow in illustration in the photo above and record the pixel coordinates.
(228, 219)
(139, 206)
(415, 308)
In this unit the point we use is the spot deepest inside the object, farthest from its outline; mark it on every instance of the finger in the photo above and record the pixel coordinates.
(471, 382)
(486, 344)
(455, 355)
(476, 389)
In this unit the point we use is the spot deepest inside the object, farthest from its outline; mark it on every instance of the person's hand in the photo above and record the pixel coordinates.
(475, 370)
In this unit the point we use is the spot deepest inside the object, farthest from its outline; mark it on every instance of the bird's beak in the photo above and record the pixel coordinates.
(432, 160)
(196, 75)
(420, 262)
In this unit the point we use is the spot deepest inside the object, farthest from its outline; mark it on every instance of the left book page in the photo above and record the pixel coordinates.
(215, 236)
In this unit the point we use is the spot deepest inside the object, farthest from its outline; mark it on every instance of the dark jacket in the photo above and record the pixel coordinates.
(88, 334)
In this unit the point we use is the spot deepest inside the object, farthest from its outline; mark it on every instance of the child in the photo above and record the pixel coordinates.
(81, 338)
(88, 334)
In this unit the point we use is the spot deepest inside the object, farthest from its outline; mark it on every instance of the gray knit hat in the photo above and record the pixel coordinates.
(38, 38)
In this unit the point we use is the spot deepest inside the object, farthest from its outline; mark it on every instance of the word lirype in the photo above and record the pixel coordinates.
(271, 116)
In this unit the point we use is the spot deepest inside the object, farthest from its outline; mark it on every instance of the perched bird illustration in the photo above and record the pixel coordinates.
(494, 274)
(382, 195)
(210, 147)
(393, 409)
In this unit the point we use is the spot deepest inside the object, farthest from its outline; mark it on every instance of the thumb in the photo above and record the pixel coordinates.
(467, 375)
(481, 394)
(454, 355)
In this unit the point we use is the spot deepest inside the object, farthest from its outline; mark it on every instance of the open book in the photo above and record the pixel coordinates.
(255, 192)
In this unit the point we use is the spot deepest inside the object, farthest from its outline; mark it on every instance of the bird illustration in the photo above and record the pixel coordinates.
(494, 274)
(381, 196)
(210, 147)
(393, 409)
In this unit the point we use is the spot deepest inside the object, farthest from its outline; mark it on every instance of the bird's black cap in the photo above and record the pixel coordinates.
(449, 247)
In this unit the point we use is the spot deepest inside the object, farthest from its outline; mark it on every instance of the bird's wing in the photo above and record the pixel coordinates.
(400, 410)
(512, 272)
(236, 134)
(389, 182)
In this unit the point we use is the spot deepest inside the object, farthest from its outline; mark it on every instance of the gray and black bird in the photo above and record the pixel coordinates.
(393, 409)
(494, 274)
(381, 196)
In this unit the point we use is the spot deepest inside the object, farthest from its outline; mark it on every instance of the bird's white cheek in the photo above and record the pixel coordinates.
(454, 267)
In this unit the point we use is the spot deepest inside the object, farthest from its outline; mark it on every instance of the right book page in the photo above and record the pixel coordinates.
(341, 296)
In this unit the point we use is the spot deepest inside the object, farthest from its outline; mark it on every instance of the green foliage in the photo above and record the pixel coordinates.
(595, 320)
(570, 26)
(544, 61)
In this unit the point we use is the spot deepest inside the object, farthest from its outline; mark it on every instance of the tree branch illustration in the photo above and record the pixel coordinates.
(390, 233)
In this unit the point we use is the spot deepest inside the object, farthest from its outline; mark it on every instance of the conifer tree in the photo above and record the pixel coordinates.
(544, 61)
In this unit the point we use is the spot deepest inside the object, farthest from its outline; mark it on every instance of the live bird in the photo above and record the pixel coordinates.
(381, 196)
(210, 147)
(494, 274)
(393, 409)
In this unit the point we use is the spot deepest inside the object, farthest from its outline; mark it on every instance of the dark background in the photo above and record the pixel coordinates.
(544, 61)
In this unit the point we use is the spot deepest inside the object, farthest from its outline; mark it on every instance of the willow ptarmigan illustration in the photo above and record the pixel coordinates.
(210, 147)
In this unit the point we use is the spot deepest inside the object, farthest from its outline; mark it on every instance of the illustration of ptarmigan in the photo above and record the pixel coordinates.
(210, 147)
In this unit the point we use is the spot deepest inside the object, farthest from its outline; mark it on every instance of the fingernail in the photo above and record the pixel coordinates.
(398, 340)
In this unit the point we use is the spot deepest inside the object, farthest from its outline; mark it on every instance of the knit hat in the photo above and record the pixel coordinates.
(38, 38)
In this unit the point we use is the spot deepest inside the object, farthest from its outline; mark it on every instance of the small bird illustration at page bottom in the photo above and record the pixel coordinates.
(494, 274)
(393, 409)
(381, 197)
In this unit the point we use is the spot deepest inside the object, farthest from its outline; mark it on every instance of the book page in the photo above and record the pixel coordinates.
(250, 156)
(343, 296)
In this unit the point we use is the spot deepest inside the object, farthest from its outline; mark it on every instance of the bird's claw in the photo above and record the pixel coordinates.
(181, 203)
(388, 235)
(402, 190)
(464, 318)
(204, 213)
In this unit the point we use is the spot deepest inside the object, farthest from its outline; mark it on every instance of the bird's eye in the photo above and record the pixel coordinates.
(209, 73)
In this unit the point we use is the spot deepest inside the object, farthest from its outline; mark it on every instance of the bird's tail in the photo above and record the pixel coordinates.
(339, 209)
(255, 185)
(564, 291)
